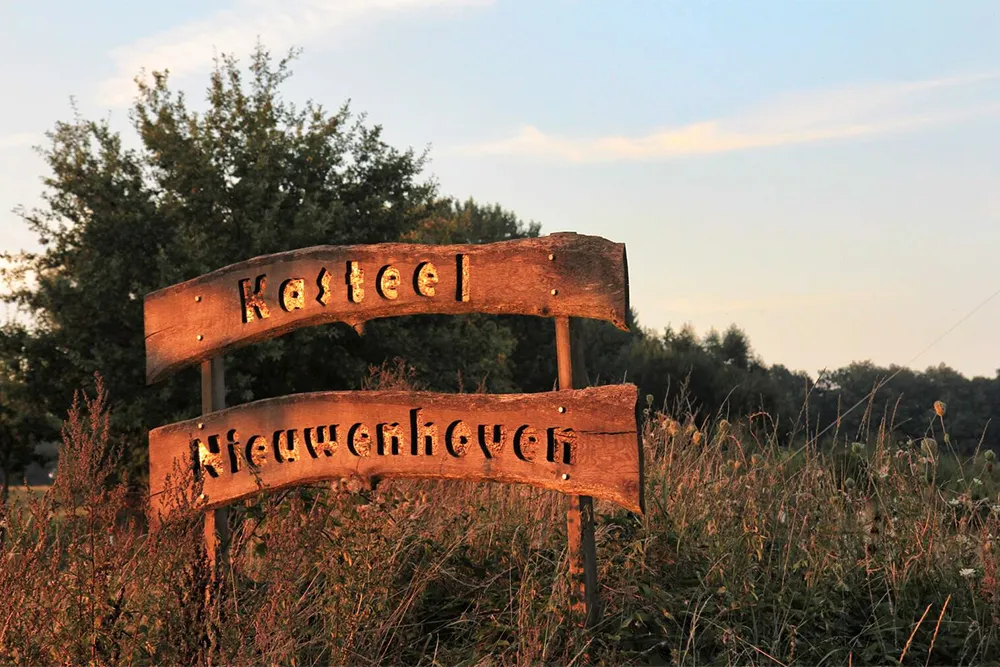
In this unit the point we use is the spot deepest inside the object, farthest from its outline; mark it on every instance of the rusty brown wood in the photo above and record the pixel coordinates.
(213, 399)
(556, 275)
(574, 442)
(584, 600)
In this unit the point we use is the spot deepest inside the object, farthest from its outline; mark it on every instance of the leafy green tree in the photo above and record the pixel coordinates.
(249, 175)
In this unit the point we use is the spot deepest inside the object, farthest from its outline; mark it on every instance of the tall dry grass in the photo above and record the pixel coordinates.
(748, 554)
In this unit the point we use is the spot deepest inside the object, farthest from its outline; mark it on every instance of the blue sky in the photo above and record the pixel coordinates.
(824, 174)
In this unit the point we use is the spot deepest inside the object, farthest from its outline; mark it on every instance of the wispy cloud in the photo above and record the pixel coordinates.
(714, 305)
(19, 140)
(280, 24)
(800, 118)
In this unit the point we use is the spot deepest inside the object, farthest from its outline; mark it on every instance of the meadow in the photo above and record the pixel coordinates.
(865, 550)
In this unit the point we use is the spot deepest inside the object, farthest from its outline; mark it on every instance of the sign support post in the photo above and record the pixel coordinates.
(580, 510)
(213, 399)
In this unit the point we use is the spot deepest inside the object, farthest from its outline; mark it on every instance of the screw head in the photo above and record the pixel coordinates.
(565, 476)
(201, 496)
(562, 409)
(200, 337)
(201, 424)
(198, 299)
(551, 257)
(554, 292)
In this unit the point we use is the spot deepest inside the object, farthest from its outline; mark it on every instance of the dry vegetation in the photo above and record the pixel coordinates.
(748, 554)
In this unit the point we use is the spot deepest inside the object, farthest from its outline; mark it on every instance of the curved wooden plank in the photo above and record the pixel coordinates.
(582, 442)
(561, 274)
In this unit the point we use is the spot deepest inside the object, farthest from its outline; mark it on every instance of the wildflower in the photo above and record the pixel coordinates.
(849, 483)
(696, 438)
(989, 455)
(967, 572)
(954, 502)
(857, 448)
(977, 482)
(939, 408)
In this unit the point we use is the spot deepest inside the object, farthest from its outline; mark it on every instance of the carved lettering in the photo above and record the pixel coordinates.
(359, 440)
(388, 282)
(391, 435)
(464, 292)
(423, 435)
(318, 442)
(457, 438)
(253, 300)
(292, 295)
(492, 439)
(562, 445)
(289, 451)
(235, 455)
(209, 456)
(257, 451)
(425, 280)
(323, 282)
(526, 443)
(355, 282)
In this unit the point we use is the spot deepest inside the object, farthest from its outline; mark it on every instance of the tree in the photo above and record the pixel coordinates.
(22, 424)
(251, 174)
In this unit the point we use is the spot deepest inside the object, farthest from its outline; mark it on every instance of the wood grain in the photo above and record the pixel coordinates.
(556, 275)
(586, 444)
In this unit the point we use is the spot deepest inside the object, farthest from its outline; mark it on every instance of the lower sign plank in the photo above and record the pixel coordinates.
(582, 442)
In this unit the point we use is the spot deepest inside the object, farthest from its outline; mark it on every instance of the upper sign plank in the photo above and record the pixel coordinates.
(577, 442)
(557, 275)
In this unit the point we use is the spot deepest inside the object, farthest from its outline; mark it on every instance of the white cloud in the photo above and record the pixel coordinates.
(189, 48)
(799, 118)
(19, 140)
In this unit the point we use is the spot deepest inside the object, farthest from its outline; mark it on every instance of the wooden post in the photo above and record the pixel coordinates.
(213, 398)
(580, 510)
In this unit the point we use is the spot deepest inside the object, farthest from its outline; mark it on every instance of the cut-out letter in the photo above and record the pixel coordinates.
(562, 445)
(359, 440)
(292, 295)
(257, 450)
(463, 292)
(235, 455)
(317, 441)
(388, 282)
(526, 443)
(423, 435)
(425, 280)
(457, 438)
(209, 456)
(355, 282)
(391, 435)
(492, 439)
(253, 299)
(289, 451)
(323, 282)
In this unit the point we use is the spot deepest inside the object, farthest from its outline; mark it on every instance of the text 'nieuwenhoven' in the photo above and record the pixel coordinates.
(420, 437)
(293, 293)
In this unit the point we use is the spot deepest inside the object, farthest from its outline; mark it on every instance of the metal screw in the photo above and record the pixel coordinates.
(562, 409)
(551, 257)
(201, 425)
(200, 337)
(565, 476)
(554, 292)
(201, 496)
(198, 298)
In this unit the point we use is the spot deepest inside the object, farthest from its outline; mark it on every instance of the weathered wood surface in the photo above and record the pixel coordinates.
(581, 442)
(557, 275)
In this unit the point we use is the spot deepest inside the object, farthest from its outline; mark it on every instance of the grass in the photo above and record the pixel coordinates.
(749, 553)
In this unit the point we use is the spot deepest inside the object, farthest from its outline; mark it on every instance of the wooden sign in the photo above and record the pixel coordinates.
(578, 442)
(556, 275)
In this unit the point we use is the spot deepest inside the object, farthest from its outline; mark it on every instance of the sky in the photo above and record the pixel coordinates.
(825, 175)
